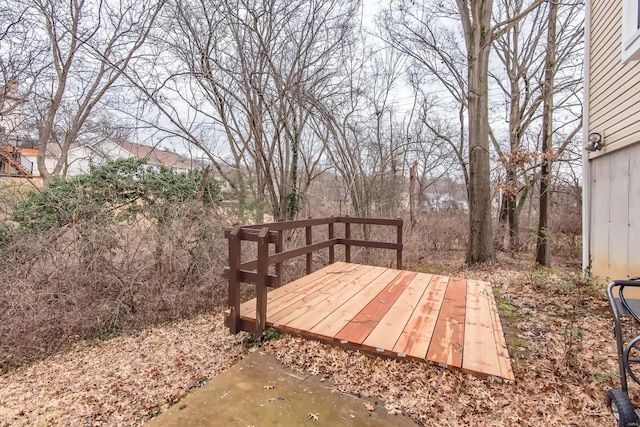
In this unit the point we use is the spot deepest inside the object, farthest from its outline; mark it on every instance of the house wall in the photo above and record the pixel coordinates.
(32, 156)
(79, 158)
(12, 107)
(613, 96)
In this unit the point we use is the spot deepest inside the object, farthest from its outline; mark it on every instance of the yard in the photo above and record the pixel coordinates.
(558, 328)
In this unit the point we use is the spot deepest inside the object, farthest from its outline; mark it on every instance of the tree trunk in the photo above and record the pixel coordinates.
(413, 172)
(512, 172)
(478, 40)
(512, 210)
(542, 247)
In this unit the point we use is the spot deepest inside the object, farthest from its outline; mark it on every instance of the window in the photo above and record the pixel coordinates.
(630, 30)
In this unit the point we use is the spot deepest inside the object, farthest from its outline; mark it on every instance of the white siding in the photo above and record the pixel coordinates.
(614, 109)
(614, 87)
(615, 222)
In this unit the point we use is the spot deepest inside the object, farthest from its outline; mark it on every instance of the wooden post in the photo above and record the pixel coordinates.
(332, 254)
(234, 284)
(261, 281)
(347, 247)
(399, 240)
(309, 240)
(279, 248)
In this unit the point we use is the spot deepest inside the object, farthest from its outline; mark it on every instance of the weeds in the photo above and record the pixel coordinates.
(91, 280)
(572, 345)
(268, 335)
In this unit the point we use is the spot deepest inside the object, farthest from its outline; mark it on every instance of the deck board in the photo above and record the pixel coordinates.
(389, 329)
(416, 336)
(285, 295)
(448, 336)
(343, 314)
(451, 322)
(479, 332)
(334, 284)
(501, 344)
(359, 328)
(349, 286)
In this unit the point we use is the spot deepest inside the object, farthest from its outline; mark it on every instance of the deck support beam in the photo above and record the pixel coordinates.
(261, 284)
(234, 282)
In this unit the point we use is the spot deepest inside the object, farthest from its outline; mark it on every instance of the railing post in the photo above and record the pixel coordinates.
(347, 247)
(279, 248)
(234, 283)
(332, 254)
(399, 240)
(261, 282)
(309, 241)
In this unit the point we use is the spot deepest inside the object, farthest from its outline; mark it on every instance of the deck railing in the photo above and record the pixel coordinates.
(257, 272)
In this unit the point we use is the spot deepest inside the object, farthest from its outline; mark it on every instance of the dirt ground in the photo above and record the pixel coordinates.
(558, 328)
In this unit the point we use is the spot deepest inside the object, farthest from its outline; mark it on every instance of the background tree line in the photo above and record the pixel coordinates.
(277, 95)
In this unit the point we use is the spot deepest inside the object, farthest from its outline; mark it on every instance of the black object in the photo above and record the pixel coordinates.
(622, 408)
(628, 355)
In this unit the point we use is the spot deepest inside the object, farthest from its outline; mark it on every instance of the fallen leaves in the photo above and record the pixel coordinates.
(539, 317)
(128, 379)
(122, 381)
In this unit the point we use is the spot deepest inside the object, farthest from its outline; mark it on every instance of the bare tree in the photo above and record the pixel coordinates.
(479, 35)
(20, 65)
(521, 51)
(241, 80)
(418, 25)
(436, 61)
(90, 44)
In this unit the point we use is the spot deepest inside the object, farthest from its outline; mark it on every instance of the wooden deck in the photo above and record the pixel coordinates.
(451, 322)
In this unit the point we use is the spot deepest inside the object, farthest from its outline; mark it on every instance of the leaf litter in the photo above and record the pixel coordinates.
(559, 335)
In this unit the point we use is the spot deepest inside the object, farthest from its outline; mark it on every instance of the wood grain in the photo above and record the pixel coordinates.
(350, 285)
(357, 330)
(415, 338)
(480, 351)
(390, 327)
(303, 285)
(448, 336)
(346, 311)
(307, 304)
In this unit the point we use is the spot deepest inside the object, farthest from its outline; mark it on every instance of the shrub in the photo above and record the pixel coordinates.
(121, 248)
(115, 191)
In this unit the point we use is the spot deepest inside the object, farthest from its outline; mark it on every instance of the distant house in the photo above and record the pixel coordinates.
(611, 161)
(155, 157)
(80, 157)
(440, 202)
(11, 108)
(12, 160)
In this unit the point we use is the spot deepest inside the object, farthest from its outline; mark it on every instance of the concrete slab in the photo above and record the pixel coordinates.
(260, 391)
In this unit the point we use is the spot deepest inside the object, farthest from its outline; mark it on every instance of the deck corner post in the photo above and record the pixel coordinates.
(262, 281)
(234, 282)
(399, 241)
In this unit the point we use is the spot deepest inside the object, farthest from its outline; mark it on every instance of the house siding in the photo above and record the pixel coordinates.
(614, 110)
(615, 178)
(614, 87)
